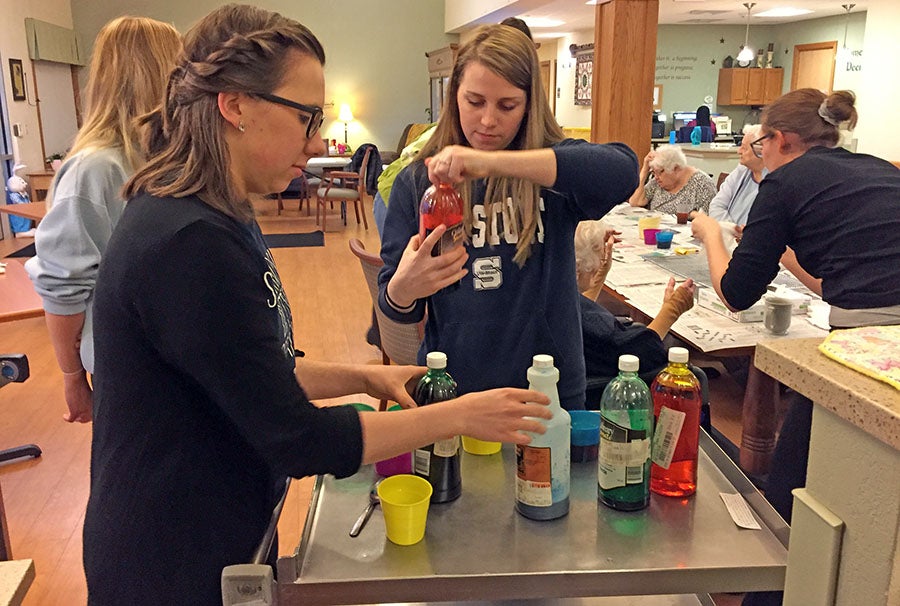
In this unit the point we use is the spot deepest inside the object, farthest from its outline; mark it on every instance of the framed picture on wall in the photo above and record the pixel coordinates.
(17, 79)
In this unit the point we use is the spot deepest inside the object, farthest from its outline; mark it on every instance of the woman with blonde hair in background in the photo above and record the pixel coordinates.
(525, 188)
(131, 60)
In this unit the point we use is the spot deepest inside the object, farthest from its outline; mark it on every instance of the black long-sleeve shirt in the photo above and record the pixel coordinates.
(840, 213)
(197, 411)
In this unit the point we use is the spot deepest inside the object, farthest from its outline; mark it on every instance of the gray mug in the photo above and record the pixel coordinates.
(778, 315)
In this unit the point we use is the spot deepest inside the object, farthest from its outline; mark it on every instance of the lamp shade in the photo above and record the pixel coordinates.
(345, 115)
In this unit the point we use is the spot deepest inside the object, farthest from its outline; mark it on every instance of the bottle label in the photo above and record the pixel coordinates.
(665, 438)
(452, 237)
(533, 476)
(422, 462)
(623, 452)
(446, 448)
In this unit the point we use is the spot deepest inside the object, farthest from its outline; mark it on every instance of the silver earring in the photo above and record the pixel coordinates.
(241, 126)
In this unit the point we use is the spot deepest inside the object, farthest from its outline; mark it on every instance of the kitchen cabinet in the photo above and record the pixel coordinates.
(749, 86)
(440, 66)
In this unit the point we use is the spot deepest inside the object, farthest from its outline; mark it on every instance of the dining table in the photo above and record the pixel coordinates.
(637, 280)
(18, 300)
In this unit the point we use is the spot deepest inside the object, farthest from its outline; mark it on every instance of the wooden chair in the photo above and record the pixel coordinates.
(399, 342)
(721, 180)
(343, 186)
(300, 188)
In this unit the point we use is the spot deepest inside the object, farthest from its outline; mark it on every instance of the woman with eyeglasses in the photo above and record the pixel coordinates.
(675, 187)
(839, 212)
(736, 195)
(200, 411)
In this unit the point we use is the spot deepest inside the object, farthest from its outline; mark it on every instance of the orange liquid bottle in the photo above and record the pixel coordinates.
(676, 408)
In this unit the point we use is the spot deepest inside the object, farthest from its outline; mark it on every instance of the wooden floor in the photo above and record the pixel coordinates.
(45, 498)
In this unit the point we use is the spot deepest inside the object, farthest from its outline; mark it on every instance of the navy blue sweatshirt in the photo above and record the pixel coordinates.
(503, 314)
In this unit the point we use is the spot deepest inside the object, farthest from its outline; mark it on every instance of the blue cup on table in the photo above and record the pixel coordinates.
(671, 137)
(664, 238)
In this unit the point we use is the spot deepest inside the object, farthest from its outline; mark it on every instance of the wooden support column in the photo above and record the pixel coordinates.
(624, 73)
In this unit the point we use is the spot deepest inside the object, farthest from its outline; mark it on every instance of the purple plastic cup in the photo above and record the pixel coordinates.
(402, 463)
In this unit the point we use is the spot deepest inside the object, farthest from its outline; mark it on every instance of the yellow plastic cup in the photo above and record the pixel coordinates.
(648, 222)
(404, 503)
(480, 447)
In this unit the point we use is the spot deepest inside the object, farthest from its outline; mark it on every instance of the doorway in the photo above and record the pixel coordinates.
(814, 66)
(548, 82)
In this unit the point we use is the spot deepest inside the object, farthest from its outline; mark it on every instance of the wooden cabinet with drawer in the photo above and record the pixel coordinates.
(748, 86)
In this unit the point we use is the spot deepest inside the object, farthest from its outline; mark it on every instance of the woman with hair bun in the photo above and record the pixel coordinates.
(839, 212)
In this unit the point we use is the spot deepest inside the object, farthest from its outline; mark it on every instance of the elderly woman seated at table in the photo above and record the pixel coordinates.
(605, 336)
(675, 187)
(738, 191)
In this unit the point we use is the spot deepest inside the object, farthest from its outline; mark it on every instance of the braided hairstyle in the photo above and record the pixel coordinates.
(235, 48)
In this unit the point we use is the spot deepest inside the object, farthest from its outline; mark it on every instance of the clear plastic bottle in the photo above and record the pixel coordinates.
(442, 205)
(439, 462)
(626, 427)
(543, 466)
(676, 408)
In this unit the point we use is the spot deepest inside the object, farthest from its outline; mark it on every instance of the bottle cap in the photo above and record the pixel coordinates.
(436, 360)
(629, 363)
(542, 361)
(678, 354)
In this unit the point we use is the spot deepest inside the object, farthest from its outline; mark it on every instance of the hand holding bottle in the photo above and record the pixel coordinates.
(420, 275)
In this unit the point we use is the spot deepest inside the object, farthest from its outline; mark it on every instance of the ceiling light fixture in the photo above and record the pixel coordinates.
(746, 55)
(843, 54)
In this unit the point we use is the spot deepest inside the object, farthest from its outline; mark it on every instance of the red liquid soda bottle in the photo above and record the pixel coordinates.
(441, 205)
(676, 409)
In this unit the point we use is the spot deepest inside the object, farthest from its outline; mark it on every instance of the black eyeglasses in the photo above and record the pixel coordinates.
(756, 146)
(316, 118)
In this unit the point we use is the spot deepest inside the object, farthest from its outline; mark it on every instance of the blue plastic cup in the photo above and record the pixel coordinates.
(664, 239)
(672, 137)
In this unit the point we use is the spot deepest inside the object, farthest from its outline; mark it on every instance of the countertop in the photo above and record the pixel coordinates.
(871, 405)
(15, 579)
(725, 149)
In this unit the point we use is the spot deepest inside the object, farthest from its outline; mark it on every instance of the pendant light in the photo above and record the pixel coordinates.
(746, 55)
(844, 52)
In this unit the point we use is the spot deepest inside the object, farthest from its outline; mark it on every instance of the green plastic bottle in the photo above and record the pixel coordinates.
(626, 429)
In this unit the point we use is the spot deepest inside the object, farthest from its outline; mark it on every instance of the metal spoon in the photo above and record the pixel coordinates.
(367, 512)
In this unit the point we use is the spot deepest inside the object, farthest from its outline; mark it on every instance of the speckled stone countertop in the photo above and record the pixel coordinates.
(873, 406)
(15, 579)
